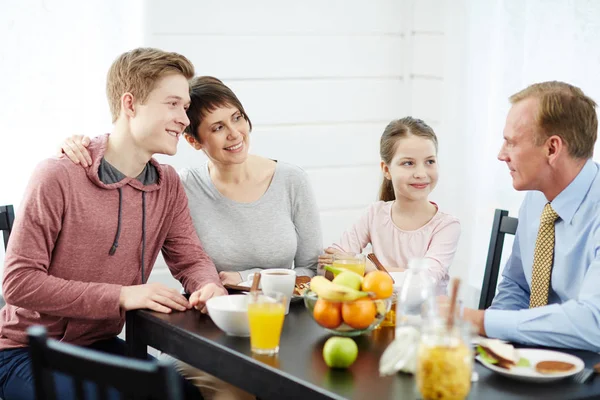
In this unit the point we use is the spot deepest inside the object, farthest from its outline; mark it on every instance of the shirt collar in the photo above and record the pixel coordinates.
(568, 201)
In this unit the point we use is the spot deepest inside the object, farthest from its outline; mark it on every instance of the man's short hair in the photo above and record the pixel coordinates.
(137, 72)
(565, 111)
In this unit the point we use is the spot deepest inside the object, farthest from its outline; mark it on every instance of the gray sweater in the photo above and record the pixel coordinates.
(282, 229)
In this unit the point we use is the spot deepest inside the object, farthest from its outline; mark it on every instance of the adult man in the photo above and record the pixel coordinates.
(549, 294)
(85, 239)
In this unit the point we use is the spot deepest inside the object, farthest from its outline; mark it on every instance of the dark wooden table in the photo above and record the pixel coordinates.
(299, 371)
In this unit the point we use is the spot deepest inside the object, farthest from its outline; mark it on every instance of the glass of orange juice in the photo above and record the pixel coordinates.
(352, 262)
(265, 318)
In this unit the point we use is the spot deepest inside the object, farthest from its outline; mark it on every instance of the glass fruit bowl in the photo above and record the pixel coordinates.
(347, 318)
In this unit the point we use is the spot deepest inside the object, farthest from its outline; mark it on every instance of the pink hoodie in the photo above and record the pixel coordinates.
(58, 271)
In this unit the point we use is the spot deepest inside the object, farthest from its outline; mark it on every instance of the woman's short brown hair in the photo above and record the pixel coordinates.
(565, 111)
(137, 72)
(208, 93)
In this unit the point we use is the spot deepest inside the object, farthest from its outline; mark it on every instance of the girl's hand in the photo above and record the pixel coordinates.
(327, 258)
(230, 277)
(369, 266)
(75, 148)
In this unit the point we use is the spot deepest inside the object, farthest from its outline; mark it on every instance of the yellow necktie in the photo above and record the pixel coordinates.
(543, 258)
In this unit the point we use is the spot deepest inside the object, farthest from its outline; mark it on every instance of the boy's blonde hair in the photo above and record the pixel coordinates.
(137, 72)
(565, 111)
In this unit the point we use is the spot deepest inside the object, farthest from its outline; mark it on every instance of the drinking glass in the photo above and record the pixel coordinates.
(266, 312)
(352, 262)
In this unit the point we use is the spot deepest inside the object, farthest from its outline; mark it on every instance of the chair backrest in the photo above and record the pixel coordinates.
(7, 219)
(139, 379)
(503, 225)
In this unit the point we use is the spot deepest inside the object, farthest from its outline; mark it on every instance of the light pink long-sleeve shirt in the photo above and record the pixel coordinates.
(58, 271)
(436, 241)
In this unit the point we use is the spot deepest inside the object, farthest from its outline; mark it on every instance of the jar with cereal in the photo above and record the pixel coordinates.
(444, 360)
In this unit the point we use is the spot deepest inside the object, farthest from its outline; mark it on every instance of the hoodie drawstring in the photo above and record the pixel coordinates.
(115, 244)
(143, 234)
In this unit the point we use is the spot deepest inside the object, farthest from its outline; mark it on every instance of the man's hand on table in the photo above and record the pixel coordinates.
(476, 317)
(199, 298)
(153, 296)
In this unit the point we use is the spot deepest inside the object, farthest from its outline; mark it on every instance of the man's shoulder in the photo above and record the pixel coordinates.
(169, 174)
(57, 169)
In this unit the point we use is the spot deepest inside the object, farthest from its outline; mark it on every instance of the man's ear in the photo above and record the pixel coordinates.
(192, 141)
(386, 171)
(128, 104)
(554, 148)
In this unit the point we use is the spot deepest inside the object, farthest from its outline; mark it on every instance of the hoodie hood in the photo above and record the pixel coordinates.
(149, 180)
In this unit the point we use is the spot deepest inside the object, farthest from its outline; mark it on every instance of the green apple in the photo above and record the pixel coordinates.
(349, 279)
(339, 352)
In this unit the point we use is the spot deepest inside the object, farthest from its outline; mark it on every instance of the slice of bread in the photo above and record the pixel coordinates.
(553, 367)
(504, 353)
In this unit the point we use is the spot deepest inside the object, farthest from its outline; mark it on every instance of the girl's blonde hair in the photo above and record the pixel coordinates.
(396, 130)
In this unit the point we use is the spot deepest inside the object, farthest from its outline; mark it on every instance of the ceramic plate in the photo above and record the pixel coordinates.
(529, 374)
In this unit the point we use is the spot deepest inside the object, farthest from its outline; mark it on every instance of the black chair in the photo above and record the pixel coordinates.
(503, 225)
(133, 378)
(7, 219)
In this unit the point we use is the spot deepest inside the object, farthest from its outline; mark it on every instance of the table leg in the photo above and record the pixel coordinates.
(135, 347)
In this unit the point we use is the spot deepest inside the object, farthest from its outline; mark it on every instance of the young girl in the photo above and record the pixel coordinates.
(404, 224)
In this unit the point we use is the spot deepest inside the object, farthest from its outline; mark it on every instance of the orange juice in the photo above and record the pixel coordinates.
(266, 322)
(352, 265)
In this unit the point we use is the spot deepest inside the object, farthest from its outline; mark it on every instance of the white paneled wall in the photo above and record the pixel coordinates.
(319, 80)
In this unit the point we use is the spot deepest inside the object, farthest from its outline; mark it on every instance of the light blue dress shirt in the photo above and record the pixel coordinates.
(572, 317)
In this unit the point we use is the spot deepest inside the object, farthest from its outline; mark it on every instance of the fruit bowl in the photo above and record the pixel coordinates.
(347, 318)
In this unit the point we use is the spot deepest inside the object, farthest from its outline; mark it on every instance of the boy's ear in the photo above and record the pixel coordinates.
(128, 104)
(192, 141)
(386, 171)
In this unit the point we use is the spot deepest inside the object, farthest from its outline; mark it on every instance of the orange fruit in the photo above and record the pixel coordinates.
(359, 314)
(379, 283)
(328, 313)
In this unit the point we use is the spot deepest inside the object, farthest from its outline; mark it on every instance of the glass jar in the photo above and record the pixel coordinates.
(444, 360)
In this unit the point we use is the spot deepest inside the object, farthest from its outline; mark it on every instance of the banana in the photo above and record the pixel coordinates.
(337, 270)
(328, 290)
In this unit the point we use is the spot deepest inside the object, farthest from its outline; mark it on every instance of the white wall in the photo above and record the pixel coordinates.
(319, 80)
(54, 55)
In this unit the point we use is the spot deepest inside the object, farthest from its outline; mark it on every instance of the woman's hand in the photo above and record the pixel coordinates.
(75, 148)
(230, 277)
(199, 298)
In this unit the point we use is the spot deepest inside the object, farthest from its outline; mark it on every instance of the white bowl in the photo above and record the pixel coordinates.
(230, 314)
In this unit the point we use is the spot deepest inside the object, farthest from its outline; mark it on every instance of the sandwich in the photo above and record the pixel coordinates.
(503, 355)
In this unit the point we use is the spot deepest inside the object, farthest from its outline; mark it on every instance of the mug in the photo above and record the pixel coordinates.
(282, 280)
